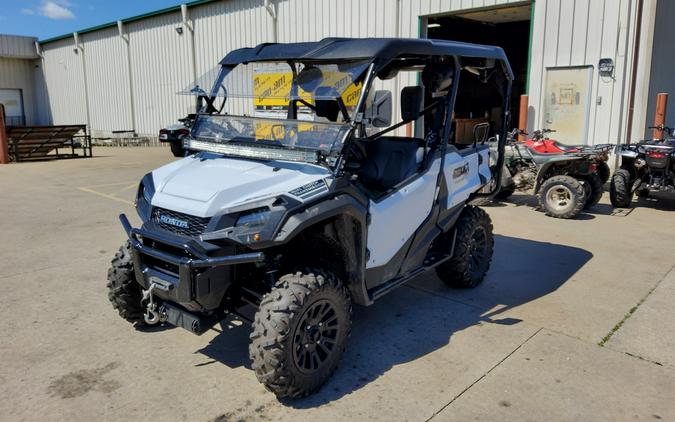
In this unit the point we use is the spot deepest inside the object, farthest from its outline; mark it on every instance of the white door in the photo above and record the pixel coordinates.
(11, 99)
(395, 219)
(567, 101)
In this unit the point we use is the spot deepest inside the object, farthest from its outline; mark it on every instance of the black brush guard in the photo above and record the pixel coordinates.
(192, 280)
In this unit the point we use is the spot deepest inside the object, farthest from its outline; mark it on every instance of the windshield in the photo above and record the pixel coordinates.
(316, 136)
(304, 106)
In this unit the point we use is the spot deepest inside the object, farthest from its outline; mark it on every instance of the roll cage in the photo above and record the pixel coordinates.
(386, 56)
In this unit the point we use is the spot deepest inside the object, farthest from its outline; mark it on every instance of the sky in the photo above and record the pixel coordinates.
(49, 18)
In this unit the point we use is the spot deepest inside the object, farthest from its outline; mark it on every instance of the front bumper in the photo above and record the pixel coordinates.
(181, 269)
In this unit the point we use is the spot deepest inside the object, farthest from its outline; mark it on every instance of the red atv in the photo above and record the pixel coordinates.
(541, 143)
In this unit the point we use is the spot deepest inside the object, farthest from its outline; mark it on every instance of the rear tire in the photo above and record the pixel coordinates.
(300, 333)
(603, 171)
(595, 190)
(474, 244)
(177, 148)
(620, 192)
(505, 192)
(123, 291)
(562, 197)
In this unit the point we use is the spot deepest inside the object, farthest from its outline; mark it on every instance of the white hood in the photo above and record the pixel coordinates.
(206, 187)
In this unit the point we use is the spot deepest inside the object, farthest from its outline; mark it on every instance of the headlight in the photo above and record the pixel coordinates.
(249, 226)
(146, 190)
(147, 194)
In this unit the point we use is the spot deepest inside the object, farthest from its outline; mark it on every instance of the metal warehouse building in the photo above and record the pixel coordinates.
(591, 68)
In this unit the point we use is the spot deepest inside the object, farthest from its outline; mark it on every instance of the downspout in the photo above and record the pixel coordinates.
(271, 9)
(79, 47)
(190, 27)
(39, 97)
(125, 38)
(634, 69)
(529, 49)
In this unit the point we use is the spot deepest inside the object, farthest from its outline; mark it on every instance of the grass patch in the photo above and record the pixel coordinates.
(618, 325)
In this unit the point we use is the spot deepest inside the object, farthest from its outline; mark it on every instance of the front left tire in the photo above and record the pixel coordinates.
(123, 291)
(562, 197)
(300, 333)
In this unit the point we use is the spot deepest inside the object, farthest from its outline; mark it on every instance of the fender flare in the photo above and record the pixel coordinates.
(546, 166)
(327, 209)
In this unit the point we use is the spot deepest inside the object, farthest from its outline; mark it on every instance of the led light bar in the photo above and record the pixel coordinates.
(263, 153)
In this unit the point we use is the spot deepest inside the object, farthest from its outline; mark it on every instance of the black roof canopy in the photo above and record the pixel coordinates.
(363, 48)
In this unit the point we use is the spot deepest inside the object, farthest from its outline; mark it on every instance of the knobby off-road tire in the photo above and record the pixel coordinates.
(642, 193)
(474, 244)
(603, 171)
(620, 190)
(300, 332)
(123, 291)
(177, 148)
(595, 190)
(562, 197)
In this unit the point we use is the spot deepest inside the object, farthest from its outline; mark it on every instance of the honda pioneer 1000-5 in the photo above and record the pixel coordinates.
(305, 198)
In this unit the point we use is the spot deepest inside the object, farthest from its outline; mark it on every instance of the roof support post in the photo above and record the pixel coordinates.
(132, 109)
(79, 49)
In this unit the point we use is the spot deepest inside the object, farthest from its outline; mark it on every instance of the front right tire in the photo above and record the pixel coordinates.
(300, 333)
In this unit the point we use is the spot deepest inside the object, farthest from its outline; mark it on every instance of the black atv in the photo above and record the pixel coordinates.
(645, 167)
(175, 134)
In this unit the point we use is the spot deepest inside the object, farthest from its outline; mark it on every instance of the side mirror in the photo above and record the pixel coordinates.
(379, 112)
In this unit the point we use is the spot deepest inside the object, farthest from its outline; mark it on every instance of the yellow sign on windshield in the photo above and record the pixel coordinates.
(273, 89)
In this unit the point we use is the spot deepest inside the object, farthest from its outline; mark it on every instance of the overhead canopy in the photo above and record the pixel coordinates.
(364, 48)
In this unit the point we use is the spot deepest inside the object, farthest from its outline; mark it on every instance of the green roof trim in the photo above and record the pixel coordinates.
(127, 20)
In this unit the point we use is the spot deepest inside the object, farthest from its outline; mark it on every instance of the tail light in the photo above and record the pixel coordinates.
(594, 167)
(182, 133)
(656, 154)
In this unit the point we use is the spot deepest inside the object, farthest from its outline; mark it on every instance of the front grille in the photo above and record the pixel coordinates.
(179, 223)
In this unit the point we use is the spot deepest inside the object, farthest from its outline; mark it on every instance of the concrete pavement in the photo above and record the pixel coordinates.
(523, 346)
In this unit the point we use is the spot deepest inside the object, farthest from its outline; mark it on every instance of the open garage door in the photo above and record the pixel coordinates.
(506, 27)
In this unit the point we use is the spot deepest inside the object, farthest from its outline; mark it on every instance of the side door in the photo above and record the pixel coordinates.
(395, 218)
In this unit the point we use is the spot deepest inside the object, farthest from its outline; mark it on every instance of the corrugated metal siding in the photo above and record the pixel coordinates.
(663, 62)
(64, 81)
(224, 26)
(565, 33)
(17, 47)
(160, 67)
(580, 33)
(17, 74)
(105, 56)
